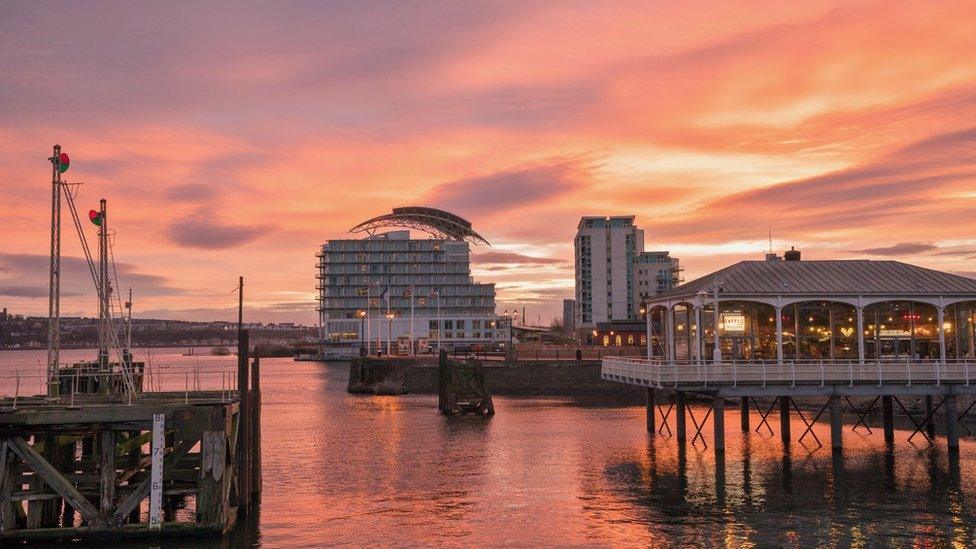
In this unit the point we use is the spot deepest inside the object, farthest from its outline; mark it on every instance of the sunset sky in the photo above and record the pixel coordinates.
(235, 138)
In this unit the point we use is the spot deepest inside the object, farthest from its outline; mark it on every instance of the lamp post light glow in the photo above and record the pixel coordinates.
(389, 334)
(362, 322)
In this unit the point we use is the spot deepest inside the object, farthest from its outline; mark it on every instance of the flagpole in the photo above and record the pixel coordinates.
(389, 323)
(411, 323)
(440, 327)
(369, 323)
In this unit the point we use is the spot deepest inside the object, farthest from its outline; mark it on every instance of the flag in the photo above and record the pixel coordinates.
(385, 295)
(408, 291)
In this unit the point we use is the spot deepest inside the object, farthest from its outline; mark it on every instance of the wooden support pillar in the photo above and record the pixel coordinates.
(836, 424)
(255, 406)
(888, 419)
(952, 423)
(211, 493)
(135, 457)
(107, 473)
(8, 519)
(719, 423)
(243, 435)
(784, 419)
(649, 404)
(930, 424)
(680, 429)
(744, 414)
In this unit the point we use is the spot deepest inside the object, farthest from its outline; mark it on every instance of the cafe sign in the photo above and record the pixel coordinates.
(733, 322)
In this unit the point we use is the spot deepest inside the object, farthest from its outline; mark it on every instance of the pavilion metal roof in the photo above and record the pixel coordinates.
(439, 223)
(834, 277)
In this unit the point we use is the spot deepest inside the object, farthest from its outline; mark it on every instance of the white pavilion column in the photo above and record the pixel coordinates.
(779, 335)
(942, 345)
(699, 333)
(860, 334)
(649, 332)
(671, 346)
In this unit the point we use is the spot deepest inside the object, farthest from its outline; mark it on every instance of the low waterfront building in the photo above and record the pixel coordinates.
(857, 310)
(388, 286)
(620, 333)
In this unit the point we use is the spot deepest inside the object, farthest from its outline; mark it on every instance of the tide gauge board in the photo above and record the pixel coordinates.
(156, 472)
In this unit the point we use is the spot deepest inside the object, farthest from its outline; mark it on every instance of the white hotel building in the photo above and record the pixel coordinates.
(365, 285)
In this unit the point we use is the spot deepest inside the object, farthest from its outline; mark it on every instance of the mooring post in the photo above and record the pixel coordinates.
(679, 416)
(888, 419)
(719, 424)
(952, 423)
(836, 424)
(244, 424)
(649, 404)
(784, 419)
(930, 424)
(255, 406)
(744, 414)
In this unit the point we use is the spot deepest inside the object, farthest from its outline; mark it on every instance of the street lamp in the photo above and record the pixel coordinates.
(362, 321)
(389, 334)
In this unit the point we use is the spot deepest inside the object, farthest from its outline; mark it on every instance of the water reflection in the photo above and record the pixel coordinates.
(764, 494)
(361, 470)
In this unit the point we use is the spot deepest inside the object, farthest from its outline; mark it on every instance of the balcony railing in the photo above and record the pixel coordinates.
(759, 373)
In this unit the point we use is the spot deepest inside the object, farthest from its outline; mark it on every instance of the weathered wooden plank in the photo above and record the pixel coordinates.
(7, 518)
(53, 478)
(108, 473)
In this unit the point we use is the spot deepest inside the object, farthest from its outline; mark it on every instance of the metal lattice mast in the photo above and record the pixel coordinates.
(54, 289)
(103, 288)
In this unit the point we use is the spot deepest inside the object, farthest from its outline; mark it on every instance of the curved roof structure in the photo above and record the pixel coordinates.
(438, 223)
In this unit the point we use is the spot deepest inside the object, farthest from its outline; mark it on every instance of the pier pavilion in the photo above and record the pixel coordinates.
(878, 329)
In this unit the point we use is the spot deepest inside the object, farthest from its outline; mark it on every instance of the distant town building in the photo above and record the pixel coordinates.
(569, 315)
(613, 271)
(365, 285)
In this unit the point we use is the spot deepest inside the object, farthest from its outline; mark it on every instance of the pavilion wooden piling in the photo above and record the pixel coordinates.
(680, 427)
(649, 409)
(888, 418)
(784, 419)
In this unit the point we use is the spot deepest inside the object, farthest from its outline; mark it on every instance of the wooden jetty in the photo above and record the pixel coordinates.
(110, 464)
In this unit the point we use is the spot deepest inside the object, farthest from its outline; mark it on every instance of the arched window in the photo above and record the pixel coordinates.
(606, 340)
(630, 340)
(618, 341)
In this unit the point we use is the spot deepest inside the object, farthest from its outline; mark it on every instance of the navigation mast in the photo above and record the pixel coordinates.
(54, 289)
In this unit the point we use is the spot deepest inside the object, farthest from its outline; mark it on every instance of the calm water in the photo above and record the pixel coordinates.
(391, 471)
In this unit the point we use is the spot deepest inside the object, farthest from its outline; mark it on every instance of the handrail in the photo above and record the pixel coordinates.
(820, 372)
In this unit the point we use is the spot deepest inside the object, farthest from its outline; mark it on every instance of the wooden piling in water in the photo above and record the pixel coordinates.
(952, 423)
(649, 409)
(888, 418)
(681, 431)
(744, 414)
(930, 424)
(255, 440)
(836, 424)
(244, 425)
(784, 419)
(719, 424)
